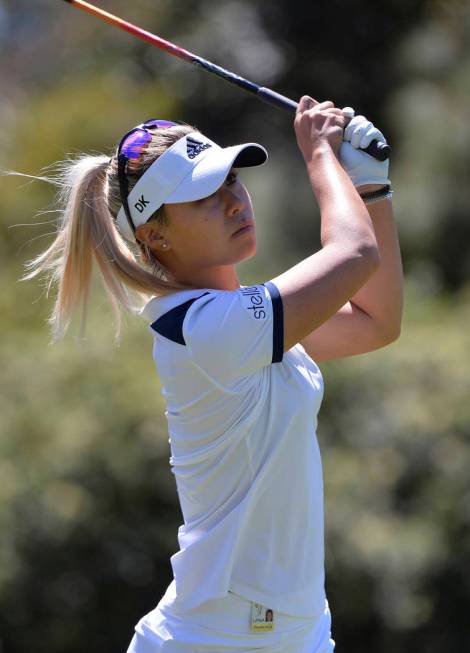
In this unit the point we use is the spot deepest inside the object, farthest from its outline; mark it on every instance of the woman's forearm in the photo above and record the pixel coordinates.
(345, 221)
(381, 297)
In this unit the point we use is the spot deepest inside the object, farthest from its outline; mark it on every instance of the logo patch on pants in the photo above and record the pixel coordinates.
(262, 618)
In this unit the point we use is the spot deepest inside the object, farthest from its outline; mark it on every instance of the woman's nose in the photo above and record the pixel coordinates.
(234, 201)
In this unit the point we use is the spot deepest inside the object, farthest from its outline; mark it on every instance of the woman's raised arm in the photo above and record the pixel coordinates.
(316, 288)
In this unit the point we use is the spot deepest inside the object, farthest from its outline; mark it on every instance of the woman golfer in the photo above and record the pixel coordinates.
(238, 364)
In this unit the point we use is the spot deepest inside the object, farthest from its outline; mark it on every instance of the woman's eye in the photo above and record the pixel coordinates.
(231, 179)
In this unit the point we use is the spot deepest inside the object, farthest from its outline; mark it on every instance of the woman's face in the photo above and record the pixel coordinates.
(203, 233)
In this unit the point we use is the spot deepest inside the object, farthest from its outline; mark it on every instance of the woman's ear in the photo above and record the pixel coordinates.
(150, 235)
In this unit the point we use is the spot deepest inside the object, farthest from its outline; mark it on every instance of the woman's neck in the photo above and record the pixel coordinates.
(222, 277)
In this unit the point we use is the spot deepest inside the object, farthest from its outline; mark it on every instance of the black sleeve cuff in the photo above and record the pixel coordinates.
(278, 322)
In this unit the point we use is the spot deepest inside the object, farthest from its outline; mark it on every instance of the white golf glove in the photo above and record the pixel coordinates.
(361, 167)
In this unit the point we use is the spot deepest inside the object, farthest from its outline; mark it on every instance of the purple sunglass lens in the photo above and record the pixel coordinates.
(158, 123)
(133, 144)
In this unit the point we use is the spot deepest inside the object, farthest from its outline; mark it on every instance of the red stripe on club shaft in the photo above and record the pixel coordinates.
(133, 29)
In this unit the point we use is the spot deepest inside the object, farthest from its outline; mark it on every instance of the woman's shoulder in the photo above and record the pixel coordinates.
(157, 306)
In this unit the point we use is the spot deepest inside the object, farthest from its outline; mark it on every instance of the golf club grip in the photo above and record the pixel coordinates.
(377, 149)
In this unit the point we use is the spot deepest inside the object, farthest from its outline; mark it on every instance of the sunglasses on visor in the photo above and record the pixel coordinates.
(131, 147)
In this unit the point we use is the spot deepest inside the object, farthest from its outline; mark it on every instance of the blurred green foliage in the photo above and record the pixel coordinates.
(88, 505)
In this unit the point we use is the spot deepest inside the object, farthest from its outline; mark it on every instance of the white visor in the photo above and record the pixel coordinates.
(192, 168)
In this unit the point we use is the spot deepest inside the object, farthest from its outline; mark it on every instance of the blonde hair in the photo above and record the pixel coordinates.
(88, 201)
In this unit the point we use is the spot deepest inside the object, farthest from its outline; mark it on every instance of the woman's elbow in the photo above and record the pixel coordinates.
(370, 256)
(391, 333)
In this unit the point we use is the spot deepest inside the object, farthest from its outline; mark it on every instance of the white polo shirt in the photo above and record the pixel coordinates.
(242, 420)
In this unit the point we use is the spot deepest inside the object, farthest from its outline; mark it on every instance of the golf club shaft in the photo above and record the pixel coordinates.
(377, 149)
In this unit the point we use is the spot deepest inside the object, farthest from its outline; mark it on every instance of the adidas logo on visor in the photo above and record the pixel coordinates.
(195, 147)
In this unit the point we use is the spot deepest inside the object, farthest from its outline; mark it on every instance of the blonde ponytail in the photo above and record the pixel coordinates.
(88, 200)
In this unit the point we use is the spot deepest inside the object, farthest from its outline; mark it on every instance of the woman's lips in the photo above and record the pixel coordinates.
(247, 227)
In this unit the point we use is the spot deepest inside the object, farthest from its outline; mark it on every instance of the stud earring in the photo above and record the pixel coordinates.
(164, 245)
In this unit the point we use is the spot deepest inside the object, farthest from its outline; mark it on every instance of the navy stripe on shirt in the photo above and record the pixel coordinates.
(278, 322)
(170, 324)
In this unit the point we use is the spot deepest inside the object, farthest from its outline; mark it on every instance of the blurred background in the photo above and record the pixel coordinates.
(88, 504)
